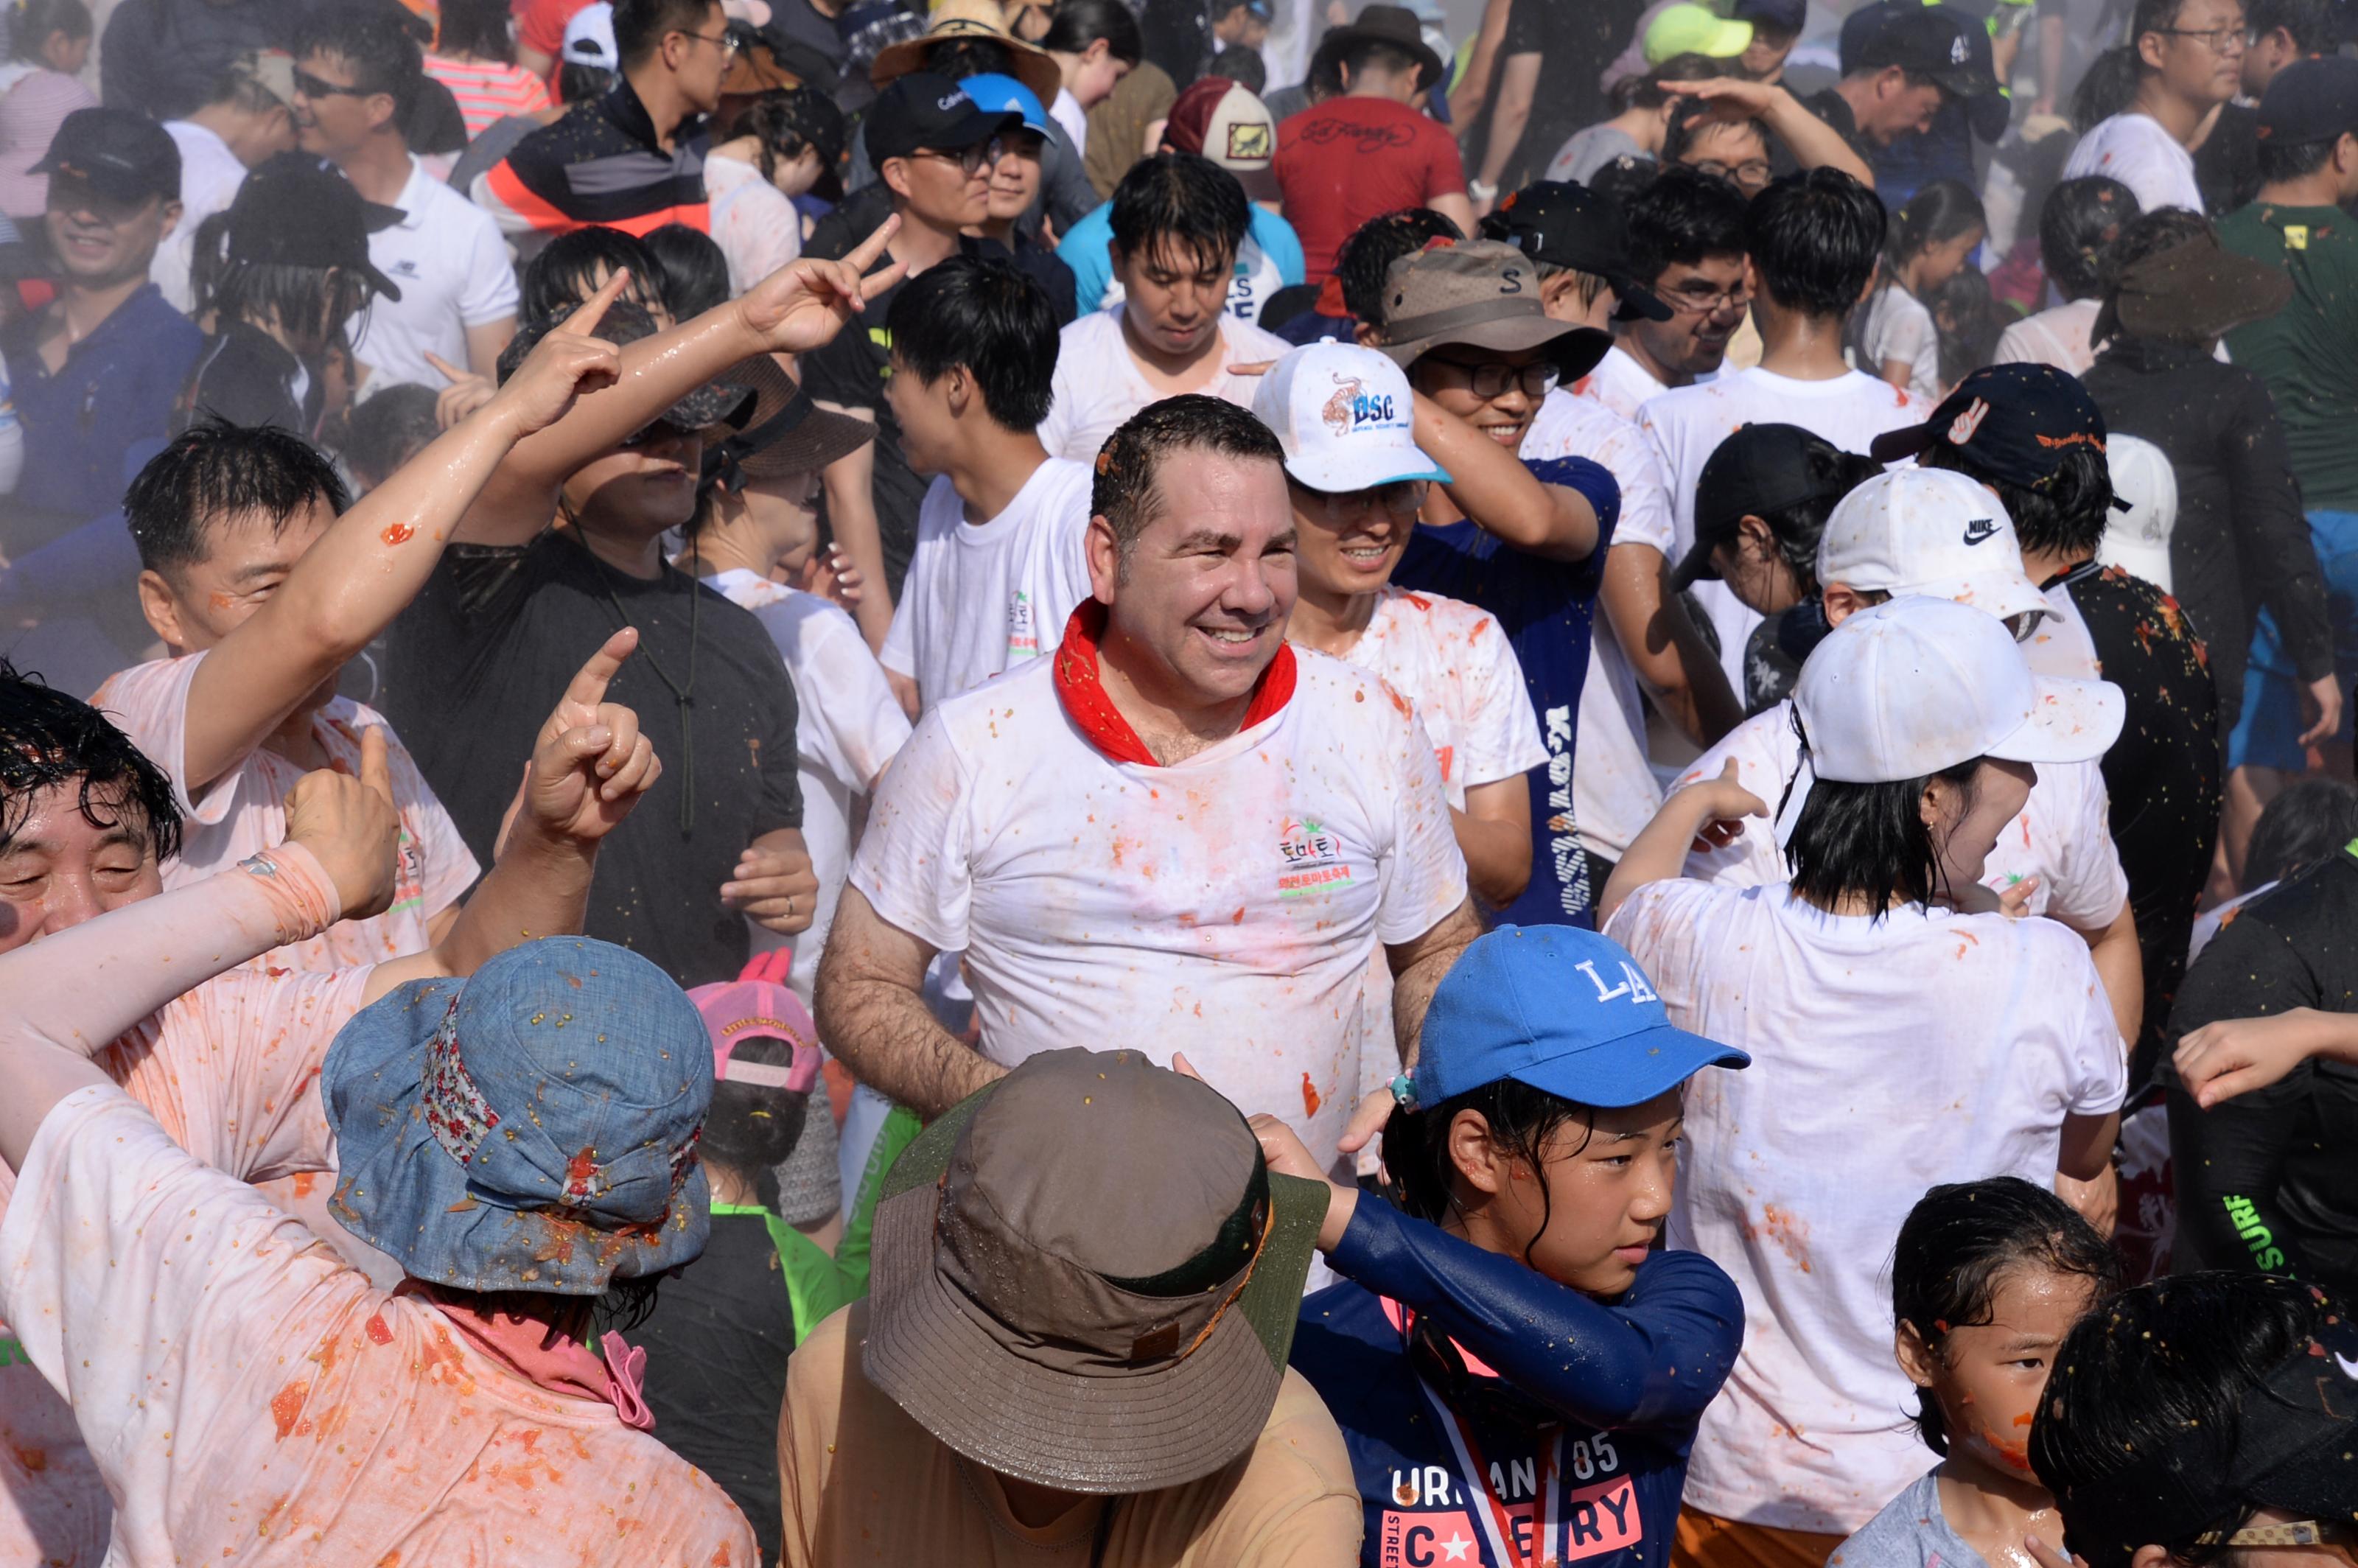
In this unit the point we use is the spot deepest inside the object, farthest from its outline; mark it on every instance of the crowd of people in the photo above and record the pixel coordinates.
(1171, 783)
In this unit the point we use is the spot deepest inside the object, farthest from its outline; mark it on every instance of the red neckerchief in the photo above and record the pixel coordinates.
(1083, 694)
(611, 1374)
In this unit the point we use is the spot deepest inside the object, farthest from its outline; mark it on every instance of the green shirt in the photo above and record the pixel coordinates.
(2307, 353)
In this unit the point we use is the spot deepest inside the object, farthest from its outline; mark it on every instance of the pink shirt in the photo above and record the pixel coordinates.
(487, 91)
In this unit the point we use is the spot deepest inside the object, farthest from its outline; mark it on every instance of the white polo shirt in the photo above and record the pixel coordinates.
(209, 175)
(452, 267)
(1228, 905)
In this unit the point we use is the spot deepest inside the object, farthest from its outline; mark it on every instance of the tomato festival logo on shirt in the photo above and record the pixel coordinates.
(1314, 857)
(1023, 632)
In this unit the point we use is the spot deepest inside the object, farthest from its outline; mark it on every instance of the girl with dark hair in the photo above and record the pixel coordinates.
(1988, 1278)
(575, 265)
(48, 43)
(1904, 1032)
(473, 57)
(794, 139)
(1094, 44)
(2077, 226)
(1928, 243)
(1515, 1364)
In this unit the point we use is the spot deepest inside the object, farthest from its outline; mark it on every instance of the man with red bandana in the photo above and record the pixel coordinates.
(1176, 820)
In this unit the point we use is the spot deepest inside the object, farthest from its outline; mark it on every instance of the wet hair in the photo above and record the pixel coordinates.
(1940, 212)
(30, 23)
(2077, 225)
(1125, 493)
(1813, 239)
(691, 272)
(1523, 1121)
(1183, 201)
(387, 430)
(1624, 179)
(577, 83)
(374, 45)
(1966, 313)
(1796, 529)
(479, 28)
(2314, 25)
(2312, 819)
(987, 316)
(777, 121)
(1683, 217)
(49, 739)
(2066, 514)
(1958, 1245)
(310, 303)
(751, 1127)
(1683, 135)
(1871, 841)
(569, 268)
(218, 471)
(1075, 25)
(2108, 89)
(2292, 160)
(2163, 1360)
(641, 26)
(1364, 260)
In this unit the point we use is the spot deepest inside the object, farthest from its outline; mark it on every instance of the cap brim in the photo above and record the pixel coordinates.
(929, 1350)
(2005, 594)
(1989, 113)
(974, 130)
(1638, 302)
(1630, 1070)
(1904, 442)
(817, 439)
(2072, 721)
(1338, 473)
(1695, 566)
(712, 404)
(1577, 349)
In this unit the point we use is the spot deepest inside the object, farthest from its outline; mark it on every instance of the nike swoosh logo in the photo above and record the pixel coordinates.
(2349, 1367)
(1979, 529)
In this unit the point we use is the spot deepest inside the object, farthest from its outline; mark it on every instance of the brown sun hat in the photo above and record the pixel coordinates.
(2191, 293)
(1481, 292)
(788, 432)
(1085, 1276)
(1035, 68)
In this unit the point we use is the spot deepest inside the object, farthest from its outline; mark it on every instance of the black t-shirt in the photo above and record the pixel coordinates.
(2163, 773)
(2268, 1179)
(2227, 164)
(1575, 42)
(246, 378)
(716, 1346)
(1834, 109)
(482, 655)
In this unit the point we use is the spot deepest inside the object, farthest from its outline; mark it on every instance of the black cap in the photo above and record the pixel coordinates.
(1936, 42)
(125, 156)
(925, 111)
(1785, 16)
(294, 210)
(2310, 101)
(1563, 224)
(2015, 420)
(1759, 470)
(722, 400)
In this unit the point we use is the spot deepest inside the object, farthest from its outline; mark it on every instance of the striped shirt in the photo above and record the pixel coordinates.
(488, 91)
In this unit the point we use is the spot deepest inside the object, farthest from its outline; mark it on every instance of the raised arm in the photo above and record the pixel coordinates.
(1490, 485)
(1813, 142)
(1707, 814)
(367, 567)
(872, 1014)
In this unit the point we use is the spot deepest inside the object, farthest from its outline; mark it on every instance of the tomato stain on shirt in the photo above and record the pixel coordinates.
(1788, 1231)
(304, 1179)
(1310, 1096)
(378, 1331)
(286, 1406)
(34, 1460)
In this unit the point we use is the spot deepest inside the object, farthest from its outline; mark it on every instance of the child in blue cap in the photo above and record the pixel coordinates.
(1517, 1370)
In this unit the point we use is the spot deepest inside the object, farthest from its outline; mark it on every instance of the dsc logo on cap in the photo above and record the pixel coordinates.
(1344, 416)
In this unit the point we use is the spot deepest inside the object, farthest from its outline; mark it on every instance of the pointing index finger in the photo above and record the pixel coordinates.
(583, 323)
(376, 771)
(446, 367)
(587, 686)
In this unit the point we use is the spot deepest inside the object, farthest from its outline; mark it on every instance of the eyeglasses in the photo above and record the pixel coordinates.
(661, 430)
(727, 43)
(2219, 41)
(973, 160)
(1697, 301)
(309, 86)
(1402, 498)
(1490, 381)
(1752, 175)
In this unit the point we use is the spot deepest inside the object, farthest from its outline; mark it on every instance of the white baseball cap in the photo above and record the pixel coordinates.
(1343, 415)
(1919, 683)
(2138, 540)
(1929, 531)
(589, 39)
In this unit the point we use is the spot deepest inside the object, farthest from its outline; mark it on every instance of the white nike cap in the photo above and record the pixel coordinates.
(2138, 540)
(1345, 416)
(1929, 531)
(1919, 683)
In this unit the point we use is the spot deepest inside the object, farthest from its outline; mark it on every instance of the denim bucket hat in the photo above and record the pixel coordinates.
(532, 1129)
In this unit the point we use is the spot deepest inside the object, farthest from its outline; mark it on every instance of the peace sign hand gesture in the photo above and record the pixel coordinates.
(803, 305)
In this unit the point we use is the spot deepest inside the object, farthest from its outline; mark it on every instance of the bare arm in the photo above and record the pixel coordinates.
(533, 61)
(1895, 372)
(2237, 1055)
(1490, 485)
(1418, 968)
(1466, 105)
(2113, 951)
(1519, 84)
(849, 484)
(2052, 47)
(1458, 208)
(872, 1014)
(1708, 812)
(2087, 1151)
(484, 344)
(364, 571)
(1494, 834)
(1665, 651)
(1813, 142)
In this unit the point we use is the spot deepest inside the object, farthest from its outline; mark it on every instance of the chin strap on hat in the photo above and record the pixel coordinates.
(1789, 816)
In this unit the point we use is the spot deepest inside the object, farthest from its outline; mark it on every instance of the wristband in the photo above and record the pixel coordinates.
(303, 897)
(1481, 190)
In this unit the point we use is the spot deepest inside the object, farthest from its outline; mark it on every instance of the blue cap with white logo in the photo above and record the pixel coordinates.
(1345, 418)
(1005, 95)
(1565, 1010)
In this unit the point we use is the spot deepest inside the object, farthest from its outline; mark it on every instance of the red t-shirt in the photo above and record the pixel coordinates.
(1350, 159)
(541, 24)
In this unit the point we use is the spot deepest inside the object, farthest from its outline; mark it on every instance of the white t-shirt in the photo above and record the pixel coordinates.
(1066, 110)
(1887, 1056)
(2134, 149)
(1899, 327)
(1097, 386)
(244, 811)
(2062, 644)
(2057, 337)
(756, 226)
(452, 268)
(2063, 836)
(1688, 424)
(981, 597)
(1620, 382)
(209, 175)
(1228, 905)
(1614, 791)
(848, 725)
(1456, 668)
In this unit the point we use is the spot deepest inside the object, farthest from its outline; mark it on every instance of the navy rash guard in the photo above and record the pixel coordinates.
(1626, 1384)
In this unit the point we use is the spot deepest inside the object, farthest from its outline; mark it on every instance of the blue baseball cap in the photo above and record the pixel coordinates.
(1565, 1010)
(1003, 95)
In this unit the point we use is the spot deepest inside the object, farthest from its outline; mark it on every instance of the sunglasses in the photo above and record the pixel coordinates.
(1490, 381)
(309, 86)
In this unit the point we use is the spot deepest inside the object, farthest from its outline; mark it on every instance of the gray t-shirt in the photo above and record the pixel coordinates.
(1590, 150)
(1911, 1532)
